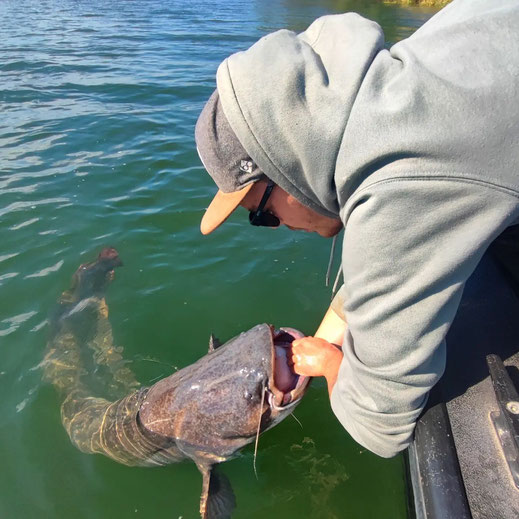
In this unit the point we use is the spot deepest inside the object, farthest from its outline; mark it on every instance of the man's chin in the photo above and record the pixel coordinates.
(330, 233)
(325, 233)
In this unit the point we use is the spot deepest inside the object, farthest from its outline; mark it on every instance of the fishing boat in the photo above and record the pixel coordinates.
(464, 461)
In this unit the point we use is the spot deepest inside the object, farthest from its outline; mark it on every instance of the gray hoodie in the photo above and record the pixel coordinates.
(416, 149)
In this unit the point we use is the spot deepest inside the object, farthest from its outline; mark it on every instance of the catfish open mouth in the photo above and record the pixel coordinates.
(287, 387)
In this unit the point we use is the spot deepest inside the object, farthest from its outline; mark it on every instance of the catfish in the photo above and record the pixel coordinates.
(205, 412)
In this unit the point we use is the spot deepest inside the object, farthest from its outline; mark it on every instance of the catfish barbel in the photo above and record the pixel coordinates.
(205, 412)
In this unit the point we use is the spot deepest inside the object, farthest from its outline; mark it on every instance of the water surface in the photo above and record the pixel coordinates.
(98, 102)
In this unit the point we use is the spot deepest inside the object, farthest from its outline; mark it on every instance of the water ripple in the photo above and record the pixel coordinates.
(18, 206)
(8, 256)
(24, 224)
(46, 271)
(15, 322)
(8, 275)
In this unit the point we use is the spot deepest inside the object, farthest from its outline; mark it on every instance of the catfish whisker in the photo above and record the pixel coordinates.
(142, 358)
(297, 420)
(258, 431)
(156, 378)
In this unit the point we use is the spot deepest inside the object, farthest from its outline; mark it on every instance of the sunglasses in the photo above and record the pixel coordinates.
(260, 217)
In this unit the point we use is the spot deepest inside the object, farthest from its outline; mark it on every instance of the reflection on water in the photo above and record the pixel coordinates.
(98, 102)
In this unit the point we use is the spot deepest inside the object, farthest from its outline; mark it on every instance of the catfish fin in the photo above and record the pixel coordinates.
(214, 343)
(217, 500)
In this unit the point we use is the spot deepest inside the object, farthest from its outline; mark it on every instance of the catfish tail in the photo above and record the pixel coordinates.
(79, 323)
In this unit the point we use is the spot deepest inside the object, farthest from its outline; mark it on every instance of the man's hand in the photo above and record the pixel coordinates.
(315, 357)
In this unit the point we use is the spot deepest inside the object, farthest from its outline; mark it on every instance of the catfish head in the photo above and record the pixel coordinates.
(215, 406)
(222, 402)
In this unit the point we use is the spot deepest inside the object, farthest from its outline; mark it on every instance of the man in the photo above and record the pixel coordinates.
(413, 150)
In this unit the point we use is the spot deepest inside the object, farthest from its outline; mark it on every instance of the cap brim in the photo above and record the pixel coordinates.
(221, 207)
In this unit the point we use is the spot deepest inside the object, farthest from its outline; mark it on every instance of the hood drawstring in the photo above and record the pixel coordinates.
(336, 282)
(329, 269)
(330, 262)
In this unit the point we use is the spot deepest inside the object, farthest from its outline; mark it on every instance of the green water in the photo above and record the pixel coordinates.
(98, 102)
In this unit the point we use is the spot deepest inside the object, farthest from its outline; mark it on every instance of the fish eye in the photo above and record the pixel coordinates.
(253, 394)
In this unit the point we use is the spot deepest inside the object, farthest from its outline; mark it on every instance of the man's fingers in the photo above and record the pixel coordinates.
(293, 359)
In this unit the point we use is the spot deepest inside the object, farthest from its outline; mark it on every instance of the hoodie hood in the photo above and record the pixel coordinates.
(288, 99)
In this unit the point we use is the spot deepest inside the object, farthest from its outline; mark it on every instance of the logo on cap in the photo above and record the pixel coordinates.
(246, 166)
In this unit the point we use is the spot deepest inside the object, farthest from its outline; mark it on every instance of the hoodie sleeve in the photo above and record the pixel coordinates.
(409, 246)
